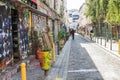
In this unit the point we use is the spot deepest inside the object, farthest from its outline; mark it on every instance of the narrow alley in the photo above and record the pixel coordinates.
(86, 61)
(80, 59)
(59, 40)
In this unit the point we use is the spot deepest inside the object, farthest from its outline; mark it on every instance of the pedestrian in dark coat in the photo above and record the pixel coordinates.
(72, 31)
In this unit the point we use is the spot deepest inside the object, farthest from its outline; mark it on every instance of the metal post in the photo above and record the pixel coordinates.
(97, 40)
(23, 71)
(119, 46)
(111, 44)
(54, 54)
(101, 40)
(105, 41)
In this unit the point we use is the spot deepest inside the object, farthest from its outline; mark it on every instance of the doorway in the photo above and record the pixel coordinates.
(15, 19)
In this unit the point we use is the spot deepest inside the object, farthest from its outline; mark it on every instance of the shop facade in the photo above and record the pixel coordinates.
(14, 34)
(21, 26)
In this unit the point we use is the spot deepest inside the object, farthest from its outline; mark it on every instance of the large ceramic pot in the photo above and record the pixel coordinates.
(45, 60)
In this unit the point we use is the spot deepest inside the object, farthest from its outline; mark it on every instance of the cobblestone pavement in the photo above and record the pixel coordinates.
(33, 71)
(59, 70)
(34, 74)
(88, 61)
(80, 59)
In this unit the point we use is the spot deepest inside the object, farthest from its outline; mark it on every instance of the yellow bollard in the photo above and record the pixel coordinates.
(58, 79)
(119, 46)
(54, 54)
(23, 71)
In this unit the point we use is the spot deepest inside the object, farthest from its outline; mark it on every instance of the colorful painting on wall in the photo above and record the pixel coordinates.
(5, 32)
(23, 29)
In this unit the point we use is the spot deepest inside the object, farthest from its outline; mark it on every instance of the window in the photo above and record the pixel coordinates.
(76, 16)
(70, 15)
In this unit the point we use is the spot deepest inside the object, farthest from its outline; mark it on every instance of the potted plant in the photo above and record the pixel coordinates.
(67, 35)
(61, 38)
(45, 59)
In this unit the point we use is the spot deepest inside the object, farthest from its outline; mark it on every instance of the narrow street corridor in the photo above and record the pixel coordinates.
(86, 61)
(59, 40)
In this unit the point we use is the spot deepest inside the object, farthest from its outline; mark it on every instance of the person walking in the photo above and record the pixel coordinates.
(72, 31)
(91, 34)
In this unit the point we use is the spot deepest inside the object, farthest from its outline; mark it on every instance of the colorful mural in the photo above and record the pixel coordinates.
(5, 32)
(23, 34)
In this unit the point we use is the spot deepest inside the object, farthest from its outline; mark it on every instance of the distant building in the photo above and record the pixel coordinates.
(84, 22)
(73, 17)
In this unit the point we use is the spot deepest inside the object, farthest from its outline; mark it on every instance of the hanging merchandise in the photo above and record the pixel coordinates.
(30, 33)
(5, 32)
(36, 22)
(35, 32)
(26, 24)
(45, 31)
(23, 30)
(43, 23)
(56, 29)
(50, 26)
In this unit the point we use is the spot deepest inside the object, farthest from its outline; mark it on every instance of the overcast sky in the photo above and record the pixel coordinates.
(74, 4)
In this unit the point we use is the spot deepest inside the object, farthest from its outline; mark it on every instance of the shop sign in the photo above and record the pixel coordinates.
(35, 1)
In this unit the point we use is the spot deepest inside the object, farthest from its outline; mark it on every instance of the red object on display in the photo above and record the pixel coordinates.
(35, 1)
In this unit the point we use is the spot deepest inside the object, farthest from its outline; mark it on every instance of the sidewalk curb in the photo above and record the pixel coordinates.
(110, 52)
(58, 71)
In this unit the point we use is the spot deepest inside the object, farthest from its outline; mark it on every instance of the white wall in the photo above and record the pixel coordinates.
(83, 21)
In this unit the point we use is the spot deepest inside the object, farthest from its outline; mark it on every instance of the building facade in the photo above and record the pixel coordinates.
(73, 17)
(84, 24)
(23, 23)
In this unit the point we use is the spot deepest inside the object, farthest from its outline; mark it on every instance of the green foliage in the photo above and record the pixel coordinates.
(108, 10)
(96, 9)
(61, 35)
(36, 39)
(92, 11)
(67, 34)
(113, 15)
(46, 48)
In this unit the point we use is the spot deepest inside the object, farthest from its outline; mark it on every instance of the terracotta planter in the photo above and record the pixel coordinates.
(40, 56)
(45, 60)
